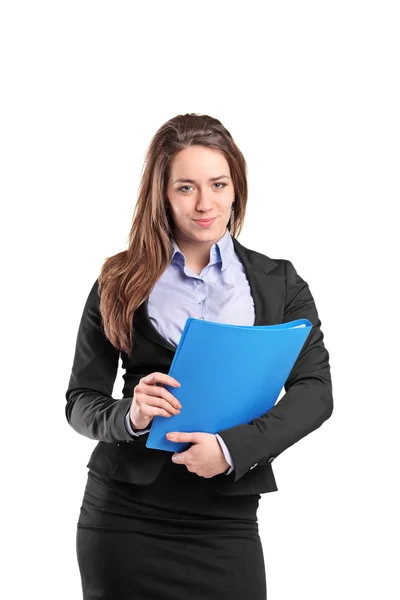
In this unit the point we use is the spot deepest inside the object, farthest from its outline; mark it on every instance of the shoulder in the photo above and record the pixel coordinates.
(258, 260)
(92, 303)
(94, 293)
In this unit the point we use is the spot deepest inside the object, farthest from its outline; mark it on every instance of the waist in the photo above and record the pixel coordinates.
(176, 499)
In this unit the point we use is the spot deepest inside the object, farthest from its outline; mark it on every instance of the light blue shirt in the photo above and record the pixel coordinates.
(220, 293)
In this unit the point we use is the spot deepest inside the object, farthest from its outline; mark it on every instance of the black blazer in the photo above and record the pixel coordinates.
(279, 295)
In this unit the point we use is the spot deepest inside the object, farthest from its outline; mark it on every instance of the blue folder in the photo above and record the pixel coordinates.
(229, 374)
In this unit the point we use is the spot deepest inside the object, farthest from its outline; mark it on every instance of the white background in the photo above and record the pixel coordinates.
(310, 93)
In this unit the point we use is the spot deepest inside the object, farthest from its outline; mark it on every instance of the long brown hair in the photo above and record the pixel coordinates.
(127, 278)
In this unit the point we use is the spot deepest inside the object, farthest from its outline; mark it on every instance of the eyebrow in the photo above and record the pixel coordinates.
(182, 180)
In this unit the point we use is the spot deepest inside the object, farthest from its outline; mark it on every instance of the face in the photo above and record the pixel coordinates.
(200, 187)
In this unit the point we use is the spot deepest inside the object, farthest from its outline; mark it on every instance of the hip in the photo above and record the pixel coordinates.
(177, 501)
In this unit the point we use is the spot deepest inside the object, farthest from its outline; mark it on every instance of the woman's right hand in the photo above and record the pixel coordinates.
(150, 399)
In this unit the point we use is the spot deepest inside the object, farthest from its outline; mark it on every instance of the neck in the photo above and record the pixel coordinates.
(197, 254)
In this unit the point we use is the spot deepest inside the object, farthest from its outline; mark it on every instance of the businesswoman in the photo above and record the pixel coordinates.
(178, 525)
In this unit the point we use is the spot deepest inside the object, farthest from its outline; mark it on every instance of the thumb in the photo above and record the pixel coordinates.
(179, 457)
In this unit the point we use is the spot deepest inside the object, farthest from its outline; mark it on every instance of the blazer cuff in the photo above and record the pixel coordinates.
(226, 452)
(133, 432)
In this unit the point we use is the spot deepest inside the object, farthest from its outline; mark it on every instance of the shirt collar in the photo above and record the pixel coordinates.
(222, 251)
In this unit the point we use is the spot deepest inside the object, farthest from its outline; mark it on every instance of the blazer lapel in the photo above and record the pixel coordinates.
(142, 321)
(266, 288)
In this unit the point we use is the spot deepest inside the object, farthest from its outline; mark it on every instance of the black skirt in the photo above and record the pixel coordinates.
(175, 539)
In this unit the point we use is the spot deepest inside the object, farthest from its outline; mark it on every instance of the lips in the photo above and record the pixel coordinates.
(205, 221)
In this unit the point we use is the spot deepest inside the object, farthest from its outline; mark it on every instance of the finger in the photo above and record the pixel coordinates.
(154, 411)
(152, 390)
(180, 436)
(157, 403)
(148, 395)
(158, 377)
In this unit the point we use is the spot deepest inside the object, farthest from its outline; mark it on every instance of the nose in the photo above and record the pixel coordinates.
(204, 202)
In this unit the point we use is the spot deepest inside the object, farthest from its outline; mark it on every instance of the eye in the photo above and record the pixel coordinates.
(217, 183)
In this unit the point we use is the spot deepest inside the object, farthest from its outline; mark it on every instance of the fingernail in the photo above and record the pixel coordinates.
(171, 436)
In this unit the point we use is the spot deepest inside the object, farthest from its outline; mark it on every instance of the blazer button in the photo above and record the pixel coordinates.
(271, 459)
(255, 464)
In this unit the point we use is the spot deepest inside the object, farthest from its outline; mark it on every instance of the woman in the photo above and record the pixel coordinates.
(152, 525)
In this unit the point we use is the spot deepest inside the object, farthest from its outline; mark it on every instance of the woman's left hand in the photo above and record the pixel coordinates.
(205, 457)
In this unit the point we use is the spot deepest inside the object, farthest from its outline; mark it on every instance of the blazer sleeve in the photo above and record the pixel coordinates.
(91, 410)
(308, 400)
